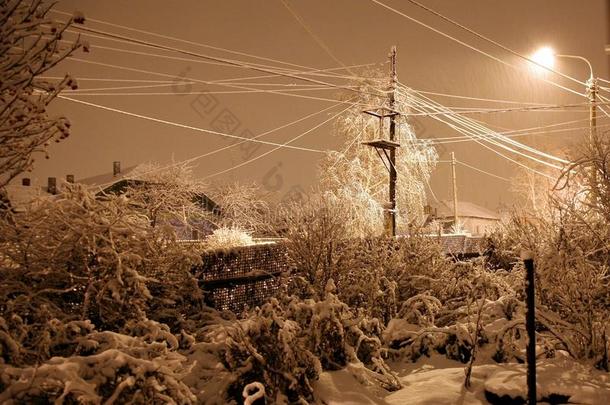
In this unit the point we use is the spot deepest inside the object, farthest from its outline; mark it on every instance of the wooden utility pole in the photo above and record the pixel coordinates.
(388, 146)
(592, 95)
(393, 174)
(455, 199)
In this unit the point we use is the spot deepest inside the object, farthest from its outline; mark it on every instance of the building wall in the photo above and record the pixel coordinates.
(480, 226)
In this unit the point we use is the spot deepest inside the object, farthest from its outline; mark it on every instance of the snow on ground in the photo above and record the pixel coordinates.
(438, 381)
(346, 387)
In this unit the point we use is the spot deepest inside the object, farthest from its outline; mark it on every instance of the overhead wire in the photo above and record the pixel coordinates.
(470, 130)
(479, 139)
(194, 93)
(481, 170)
(233, 145)
(496, 43)
(606, 101)
(437, 107)
(482, 110)
(278, 92)
(398, 12)
(184, 126)
(458, 139)
(101, 79)
(339, 86)
(279, 71)
(325, 72)
(143, 86)
(171, 38)
(313, 35)
(229, 62)
(285, 144)
(491, 100)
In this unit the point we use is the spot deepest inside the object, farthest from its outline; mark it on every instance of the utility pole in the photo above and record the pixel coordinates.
(393, 174)
(592, 90)
(455, 199)
(388, 146)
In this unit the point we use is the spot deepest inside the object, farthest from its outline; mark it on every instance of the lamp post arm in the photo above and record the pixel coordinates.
(581, 58)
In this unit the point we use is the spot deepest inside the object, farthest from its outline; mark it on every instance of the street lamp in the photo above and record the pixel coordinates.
(545, 57)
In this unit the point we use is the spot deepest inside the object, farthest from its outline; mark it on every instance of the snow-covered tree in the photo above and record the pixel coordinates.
(357, 172)
(169, 195)
(242, 206)
(32, 44)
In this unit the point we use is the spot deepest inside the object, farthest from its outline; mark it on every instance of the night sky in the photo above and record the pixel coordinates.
(357, 32)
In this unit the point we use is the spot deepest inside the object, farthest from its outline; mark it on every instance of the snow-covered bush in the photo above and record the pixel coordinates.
(227, 238)
(457, 310)
(284, 346)
(169, 196)
(571, 258)
(106, 367)
(83, 258)
(242, 207)
(266, 347)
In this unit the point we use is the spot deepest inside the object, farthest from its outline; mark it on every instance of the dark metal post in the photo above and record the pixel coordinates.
(530, 325)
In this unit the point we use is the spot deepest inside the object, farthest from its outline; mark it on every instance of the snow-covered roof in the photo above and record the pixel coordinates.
(444, 209)
(107, 179)
(19, 195)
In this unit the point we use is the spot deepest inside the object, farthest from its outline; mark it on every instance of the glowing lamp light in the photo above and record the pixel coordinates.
(545, 57)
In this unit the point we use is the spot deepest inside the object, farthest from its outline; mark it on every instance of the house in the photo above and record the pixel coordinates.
(119, 181)
(16, 197)
(474, 219)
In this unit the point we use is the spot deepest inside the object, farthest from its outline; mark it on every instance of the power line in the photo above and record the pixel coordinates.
(193, 93)
(480, 110)
(168, 83)
(474, 125)
(491, 100)
(457, 139)
(229, 62)
(216, 48)
(285, 144)
(606, 100)
(482, 171)
(313, 35)
(143, 86)
(215, 151)
(478, 138)
(101, 79)
(310, 72)
(470, 129)
(184, 126)
(480, 36)
(209, 82)
(468, 45)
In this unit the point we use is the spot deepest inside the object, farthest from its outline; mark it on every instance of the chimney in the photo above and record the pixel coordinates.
(116, 168)
(70, 178)
(25, 181)
(52, 185)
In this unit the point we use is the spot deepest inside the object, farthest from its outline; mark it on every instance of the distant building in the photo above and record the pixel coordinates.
(118, 181)
(475, 220)
(17, 197)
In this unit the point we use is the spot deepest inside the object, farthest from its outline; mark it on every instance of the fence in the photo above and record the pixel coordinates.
(248, 276)
(242, 277)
